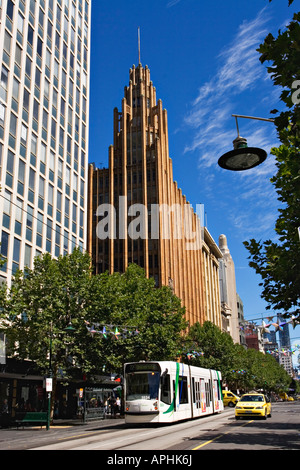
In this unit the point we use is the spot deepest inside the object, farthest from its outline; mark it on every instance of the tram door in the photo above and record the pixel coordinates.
(174, 396)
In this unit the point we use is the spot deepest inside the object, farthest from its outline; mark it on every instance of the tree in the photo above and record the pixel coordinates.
(39, 308)
(149, 320)
(277, 262)
(218, 350)
(43, 303)
(241, 368)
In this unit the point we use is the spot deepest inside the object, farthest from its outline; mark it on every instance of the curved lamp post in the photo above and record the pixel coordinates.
(243, 157)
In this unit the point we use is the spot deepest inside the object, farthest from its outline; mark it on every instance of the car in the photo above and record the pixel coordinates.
(229, 398)
(283, 396)
(254, 405)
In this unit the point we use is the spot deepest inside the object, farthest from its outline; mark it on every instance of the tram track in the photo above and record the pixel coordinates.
(143, 437)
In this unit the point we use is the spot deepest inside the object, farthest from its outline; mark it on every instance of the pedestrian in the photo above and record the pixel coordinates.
(118, 405)
(4, 407)
(4, 415)
(113, 406)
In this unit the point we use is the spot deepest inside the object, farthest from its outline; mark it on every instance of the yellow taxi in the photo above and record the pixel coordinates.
(252, 405)
(229, 398)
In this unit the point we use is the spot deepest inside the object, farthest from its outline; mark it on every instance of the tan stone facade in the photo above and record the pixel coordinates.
(140, 171)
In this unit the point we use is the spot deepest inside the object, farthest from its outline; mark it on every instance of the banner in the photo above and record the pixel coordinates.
(2, 349)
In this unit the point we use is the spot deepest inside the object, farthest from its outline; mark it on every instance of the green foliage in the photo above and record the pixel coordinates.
(42, 303)
(132, 301)
(277, 262)
(240, 368)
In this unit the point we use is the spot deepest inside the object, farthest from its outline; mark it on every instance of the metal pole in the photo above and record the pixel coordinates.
(84, 405)
(50, 376)
(251, 117)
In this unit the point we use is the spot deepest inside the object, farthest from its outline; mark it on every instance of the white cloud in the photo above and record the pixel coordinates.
(239, 71)
(247, 199)
(172, 3)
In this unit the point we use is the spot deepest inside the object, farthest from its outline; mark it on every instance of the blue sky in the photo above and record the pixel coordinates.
(204, 64)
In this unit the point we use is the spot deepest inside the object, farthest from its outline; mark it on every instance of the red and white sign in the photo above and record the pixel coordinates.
(48, 385)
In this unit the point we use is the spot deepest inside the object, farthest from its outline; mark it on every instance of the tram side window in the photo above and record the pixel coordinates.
(166, 396)
(196, 392)
(218, 389)
(207, 393)
(183, 390)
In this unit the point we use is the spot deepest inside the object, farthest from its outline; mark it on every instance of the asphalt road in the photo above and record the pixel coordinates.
(279, 433)
(220, 432)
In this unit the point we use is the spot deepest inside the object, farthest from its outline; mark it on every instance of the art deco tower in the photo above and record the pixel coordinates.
(44, 106)
(140, 171)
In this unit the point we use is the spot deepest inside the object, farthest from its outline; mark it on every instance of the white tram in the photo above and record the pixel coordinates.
(165, 392)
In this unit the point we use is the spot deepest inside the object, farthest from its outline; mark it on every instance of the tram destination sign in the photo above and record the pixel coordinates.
(142, 366)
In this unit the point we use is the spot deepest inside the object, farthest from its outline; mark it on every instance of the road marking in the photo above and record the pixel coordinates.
(218, 437)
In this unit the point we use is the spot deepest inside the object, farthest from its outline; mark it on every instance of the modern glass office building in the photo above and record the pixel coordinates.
(44, 109)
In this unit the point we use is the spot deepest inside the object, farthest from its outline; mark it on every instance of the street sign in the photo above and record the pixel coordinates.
(49, 385)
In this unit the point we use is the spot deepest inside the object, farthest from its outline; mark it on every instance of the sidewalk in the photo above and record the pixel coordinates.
(33, 436)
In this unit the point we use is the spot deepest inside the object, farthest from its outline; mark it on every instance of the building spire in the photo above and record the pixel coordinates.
(139, 44)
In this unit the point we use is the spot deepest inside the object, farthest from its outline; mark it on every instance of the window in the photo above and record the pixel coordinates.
(13, 124)
(31, 179)
(39, 47)
(21, 177)
(49, 29)
(166, 396)
(27, 257)
(18, 55)
(29, 223)
(36, 110)
(3, 83)
(183, 390)
(41, 193)
(45, 119)
(26, 99)
(6, 209)
(28, 67)
(41, 18)
(20, 23)
(4, 244)
(39, 229)
(10, 10)
(30, 35)
(24, 133)
(7, 42)
(2, 114)
(18, 217)
(16, 255)
(10, 169)
(38, 77)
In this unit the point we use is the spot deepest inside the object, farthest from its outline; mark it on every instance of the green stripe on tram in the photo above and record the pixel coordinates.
(172, 406)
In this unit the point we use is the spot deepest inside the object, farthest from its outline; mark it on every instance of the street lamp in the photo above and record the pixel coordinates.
(243, 157)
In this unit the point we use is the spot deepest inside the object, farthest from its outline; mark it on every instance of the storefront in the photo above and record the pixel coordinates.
(22, 388)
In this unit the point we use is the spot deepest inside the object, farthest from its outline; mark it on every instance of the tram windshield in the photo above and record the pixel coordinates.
(142, 385)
